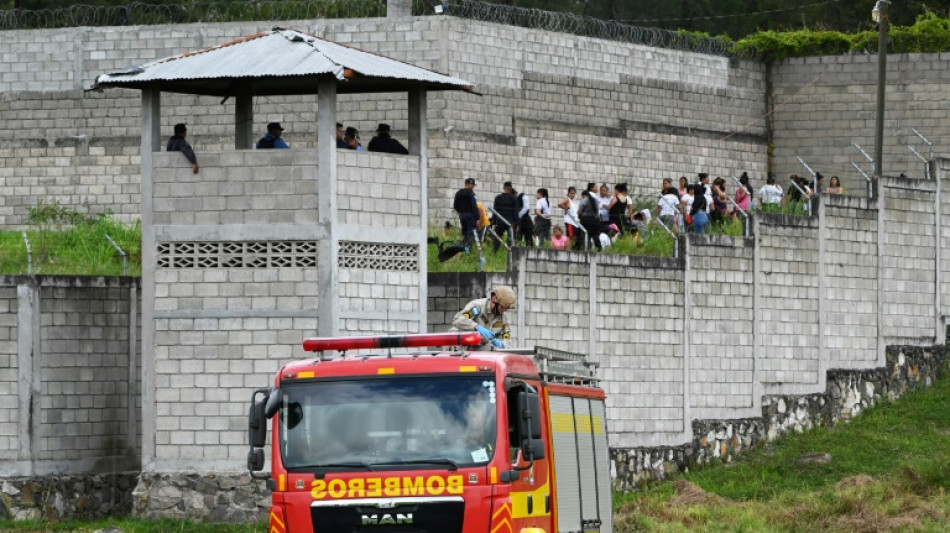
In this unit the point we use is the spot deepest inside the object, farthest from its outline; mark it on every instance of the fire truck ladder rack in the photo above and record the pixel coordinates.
(558, 366)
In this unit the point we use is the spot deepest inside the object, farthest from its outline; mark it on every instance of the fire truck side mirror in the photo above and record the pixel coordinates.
(256, 423)
(532, 449)
(255, 460)
(529, 421)
(274, 401)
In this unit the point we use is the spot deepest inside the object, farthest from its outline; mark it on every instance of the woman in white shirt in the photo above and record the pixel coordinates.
(542, 219)
(770, 196)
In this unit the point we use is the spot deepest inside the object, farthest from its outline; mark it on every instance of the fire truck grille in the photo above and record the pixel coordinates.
(434, 517)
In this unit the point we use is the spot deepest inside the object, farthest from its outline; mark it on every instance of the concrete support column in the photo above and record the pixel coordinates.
(687, 384)
(522, 255)
(940, 331)
(398, 8)
(822, 292)
(151, 142)
(328, 313)
(244, 120)
(592, 308)
(25, 344)
(131, 393)
(419, 146)
(881, 344)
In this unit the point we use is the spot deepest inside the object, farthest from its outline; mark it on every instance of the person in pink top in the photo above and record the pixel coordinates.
(744, 193)
(559, 241)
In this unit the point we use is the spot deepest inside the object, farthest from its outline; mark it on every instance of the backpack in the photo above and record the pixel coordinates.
(267, 141)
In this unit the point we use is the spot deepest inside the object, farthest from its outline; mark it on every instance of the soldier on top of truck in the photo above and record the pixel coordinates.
(487, 316)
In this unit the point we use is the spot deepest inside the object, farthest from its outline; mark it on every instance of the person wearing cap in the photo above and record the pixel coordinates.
(177, 143)
(466, 206)
(487, 316)
(382, 142)
(352, 139)
(607, 239)
(272, 139)
(340, 141)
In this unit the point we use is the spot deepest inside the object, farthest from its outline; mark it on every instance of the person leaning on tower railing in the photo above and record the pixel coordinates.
(177, 143)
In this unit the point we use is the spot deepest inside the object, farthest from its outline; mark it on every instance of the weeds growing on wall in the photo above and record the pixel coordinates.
(930, 34)
(65, 240)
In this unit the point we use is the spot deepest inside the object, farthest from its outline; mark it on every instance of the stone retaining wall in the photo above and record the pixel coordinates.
(848, 393)
(57, 497)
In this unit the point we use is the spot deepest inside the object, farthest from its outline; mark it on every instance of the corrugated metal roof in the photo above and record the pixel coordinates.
(290, 55)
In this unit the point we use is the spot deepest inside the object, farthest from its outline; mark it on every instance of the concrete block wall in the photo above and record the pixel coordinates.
(85, 367)
(788, 298)
(639, 340)
(378, 189)
(560, 110)
(71, 383)
(9, 377)
(374, 301)
(537, 88)
(827, 103)
(850, 283)
(234, 293)
(237, 187)
(204, 371)
(545, 278)
(720, 311)
(909, 264)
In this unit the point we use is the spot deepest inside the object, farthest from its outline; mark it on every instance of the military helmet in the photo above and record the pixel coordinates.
(506, 296)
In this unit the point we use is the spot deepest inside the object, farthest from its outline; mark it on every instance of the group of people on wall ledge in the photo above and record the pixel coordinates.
(348, 139)
(600, 216)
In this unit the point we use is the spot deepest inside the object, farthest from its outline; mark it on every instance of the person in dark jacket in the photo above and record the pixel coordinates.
(382, 142)
(467, 207)
(340, 141)
(506, 205)
(177, 143)
(272, 139)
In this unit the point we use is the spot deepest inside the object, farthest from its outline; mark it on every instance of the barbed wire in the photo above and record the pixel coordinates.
(139, 13)
(579, 25)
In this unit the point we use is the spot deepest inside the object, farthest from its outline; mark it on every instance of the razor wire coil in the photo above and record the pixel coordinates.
(140, 13)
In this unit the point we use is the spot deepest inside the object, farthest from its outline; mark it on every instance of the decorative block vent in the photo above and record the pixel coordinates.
(249, 254)
(379, 256)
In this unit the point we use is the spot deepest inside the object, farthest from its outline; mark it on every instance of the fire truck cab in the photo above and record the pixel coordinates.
(438, 442)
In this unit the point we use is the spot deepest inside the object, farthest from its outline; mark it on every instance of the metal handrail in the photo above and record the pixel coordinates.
(808, 168)
(29, 253)
(511, 229)
(125, 258)
(745, 226)
(805, 195)
(922, 158)
(478, 245)
(870, 160)
(676, 247)
(870, 181)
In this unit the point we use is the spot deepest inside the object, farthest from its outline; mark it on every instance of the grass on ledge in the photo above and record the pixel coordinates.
(65, 241)
(890, 471)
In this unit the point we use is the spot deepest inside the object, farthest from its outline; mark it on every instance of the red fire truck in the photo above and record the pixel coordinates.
(438, 442)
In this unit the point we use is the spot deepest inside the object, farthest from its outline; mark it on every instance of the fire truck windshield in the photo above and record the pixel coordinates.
(393, 423)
